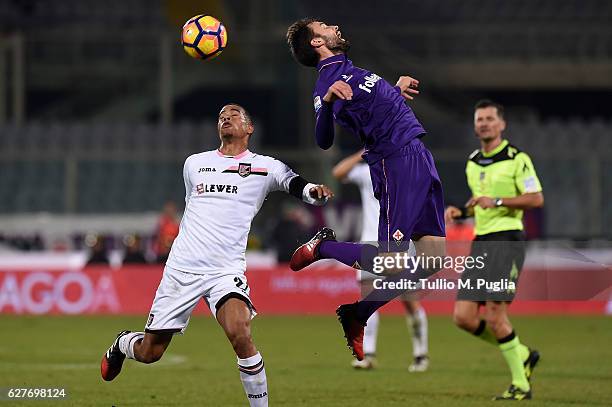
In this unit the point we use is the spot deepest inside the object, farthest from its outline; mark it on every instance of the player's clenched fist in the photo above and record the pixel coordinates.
(408, 87)
(321, 192)
(338, 90)
(451, 213)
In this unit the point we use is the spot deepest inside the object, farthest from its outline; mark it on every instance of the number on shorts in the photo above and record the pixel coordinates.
(244, 286)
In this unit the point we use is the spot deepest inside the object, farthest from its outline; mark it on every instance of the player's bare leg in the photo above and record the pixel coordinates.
(466, 317)
(143, 347)
(496, 329)
(234, 316)
(495, 325)
(496, 315)
(430, 246)
(416, 319)
(151, 347)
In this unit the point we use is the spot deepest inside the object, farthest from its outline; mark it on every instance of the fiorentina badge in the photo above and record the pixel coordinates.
(398, 236)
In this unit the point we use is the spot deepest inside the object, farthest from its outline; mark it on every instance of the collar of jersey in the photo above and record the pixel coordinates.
(235, 157)
(336, 59)
(496, 150)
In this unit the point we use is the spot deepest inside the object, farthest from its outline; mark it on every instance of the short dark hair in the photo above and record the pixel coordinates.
(484, 103)
(299, 35)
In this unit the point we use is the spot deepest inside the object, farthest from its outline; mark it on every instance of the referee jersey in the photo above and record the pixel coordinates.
(504, 172)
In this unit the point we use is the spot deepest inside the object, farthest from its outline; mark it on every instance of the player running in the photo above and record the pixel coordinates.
(353, 170)
(403, 173)
(503, 182)
(224, 190)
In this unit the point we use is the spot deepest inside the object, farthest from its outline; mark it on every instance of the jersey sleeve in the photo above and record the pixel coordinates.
(188, 185)
(281, 176)
(324, 126)
(525, 177)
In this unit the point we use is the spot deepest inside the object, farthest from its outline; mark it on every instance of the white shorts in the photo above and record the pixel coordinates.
(179, 292)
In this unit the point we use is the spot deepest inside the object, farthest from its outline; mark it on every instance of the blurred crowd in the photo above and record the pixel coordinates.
(280, 234)
(135, 248)
(104, 248)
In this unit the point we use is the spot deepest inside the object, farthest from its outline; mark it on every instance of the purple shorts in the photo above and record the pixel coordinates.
(409, 191)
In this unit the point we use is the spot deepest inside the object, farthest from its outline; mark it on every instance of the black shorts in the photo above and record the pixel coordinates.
(496, 277)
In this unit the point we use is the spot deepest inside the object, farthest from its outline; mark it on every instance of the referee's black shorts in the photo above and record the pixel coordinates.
(503, 256)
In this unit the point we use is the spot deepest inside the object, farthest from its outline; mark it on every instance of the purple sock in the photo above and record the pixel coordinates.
(349, 253)
(366, 308)
(377, 298)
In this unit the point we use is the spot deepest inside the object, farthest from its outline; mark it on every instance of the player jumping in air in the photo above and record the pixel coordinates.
(353, 170)
(403, 173)
(224, 190)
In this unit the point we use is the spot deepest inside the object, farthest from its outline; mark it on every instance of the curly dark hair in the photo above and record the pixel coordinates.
(299, 36)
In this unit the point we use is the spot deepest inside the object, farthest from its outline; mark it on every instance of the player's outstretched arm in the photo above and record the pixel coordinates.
(344, 167)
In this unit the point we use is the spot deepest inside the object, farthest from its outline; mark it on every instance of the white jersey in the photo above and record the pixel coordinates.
(223, 195)
(360, 175)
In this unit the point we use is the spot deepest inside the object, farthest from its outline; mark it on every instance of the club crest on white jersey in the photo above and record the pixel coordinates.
(220, 206)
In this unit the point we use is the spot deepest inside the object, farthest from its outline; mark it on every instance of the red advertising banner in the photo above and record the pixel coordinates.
(277, 290)
(94, 290)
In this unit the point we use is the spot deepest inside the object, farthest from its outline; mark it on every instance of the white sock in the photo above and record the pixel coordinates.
(370, 334)
(418, 324)
(253, 376)
(609, 307)
(126, 343)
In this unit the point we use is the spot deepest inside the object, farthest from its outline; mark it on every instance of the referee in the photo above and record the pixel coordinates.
(503, 183)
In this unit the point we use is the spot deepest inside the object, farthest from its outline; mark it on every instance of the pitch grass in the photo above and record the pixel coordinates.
(306, 363)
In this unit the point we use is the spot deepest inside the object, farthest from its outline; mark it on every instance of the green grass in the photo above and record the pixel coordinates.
(306, 363)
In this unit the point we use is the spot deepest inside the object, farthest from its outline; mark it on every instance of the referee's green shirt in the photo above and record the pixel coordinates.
(502, 173)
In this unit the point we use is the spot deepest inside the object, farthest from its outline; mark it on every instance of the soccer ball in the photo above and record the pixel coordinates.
(204, 37)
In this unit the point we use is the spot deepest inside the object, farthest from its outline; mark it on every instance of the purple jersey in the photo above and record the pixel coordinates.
(377, 112)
